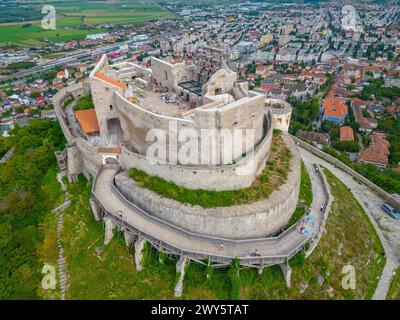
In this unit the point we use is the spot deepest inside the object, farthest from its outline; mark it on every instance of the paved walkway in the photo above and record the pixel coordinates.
(388, 229)
(284, 245)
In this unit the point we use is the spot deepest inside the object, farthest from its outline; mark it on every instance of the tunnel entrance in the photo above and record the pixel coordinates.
(114, 131)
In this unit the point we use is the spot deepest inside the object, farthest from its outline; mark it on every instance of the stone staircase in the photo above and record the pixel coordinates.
(62, 263)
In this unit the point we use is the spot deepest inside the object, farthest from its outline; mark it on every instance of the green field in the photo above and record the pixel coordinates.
(17, 35)
(88, 16)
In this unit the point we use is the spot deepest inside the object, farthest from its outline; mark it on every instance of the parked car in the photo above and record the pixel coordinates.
(391, 211)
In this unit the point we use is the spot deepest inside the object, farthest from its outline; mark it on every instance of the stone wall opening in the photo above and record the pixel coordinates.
(114, 131)
(110, 159)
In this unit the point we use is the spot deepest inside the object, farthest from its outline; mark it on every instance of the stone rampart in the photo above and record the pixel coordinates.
(260, 219)
(224, 177)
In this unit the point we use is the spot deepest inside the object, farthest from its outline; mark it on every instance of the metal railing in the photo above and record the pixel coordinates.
(218, 259)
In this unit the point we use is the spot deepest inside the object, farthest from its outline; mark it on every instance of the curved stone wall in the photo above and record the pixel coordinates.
(75, 90)
(281, 113)
(225, 177)
(260, 219)
(82, 155)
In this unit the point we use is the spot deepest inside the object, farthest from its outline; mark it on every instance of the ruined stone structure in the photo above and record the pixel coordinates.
(190, 110)
(180, 122)
(131, 102)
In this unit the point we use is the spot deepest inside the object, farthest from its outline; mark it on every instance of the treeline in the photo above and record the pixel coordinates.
(387, 179)
(380, 92)
(304, 114)
(5, 145)
(391, 126)
(23, 205)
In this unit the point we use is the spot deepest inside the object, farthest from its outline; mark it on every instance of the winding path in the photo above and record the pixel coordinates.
(274, 250)
(388, 229)
(62, 263)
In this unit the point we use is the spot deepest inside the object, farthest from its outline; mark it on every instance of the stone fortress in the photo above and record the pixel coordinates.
(130, 101)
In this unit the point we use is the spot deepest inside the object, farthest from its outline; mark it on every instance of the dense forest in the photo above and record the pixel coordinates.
(23, 205)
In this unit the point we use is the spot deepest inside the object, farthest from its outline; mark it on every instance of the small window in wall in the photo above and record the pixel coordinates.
(111, 107)
(165, 75)
(107, 89)
(218, 91)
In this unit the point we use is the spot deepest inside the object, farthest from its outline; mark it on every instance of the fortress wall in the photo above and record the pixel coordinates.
(130, 69)
(222, 80)
(102, 66)
(91, 158)
(282, 113)
(169, 75)
(260, 219)
(224, 177)
(137, 122)
(163, 72)
(74, 90)
(75, 161)
(245, 114)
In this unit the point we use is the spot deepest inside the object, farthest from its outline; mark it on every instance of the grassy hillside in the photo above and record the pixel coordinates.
(394, 291)
(27, 195)
(108, 272)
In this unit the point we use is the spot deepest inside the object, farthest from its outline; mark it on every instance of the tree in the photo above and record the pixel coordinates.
(35, 94)
(23, 205)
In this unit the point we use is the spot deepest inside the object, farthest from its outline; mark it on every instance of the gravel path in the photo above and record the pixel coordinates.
(62, 264)
(387, 228)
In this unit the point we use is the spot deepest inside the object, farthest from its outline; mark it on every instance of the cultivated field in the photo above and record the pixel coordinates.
(75, 19)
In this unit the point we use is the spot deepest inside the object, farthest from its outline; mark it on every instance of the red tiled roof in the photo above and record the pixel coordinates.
(378, 150)
(346, 133)
(87, 120)
(335, 107)
(111, 81)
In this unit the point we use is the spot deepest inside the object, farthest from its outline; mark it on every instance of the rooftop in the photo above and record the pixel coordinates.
(87, 120)
(378, 150)
(111, 81)
(335, 107)
(346, 133)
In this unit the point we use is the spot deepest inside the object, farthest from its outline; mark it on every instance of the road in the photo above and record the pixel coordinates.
(387, 228)
(186, 241)
(71, 58)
